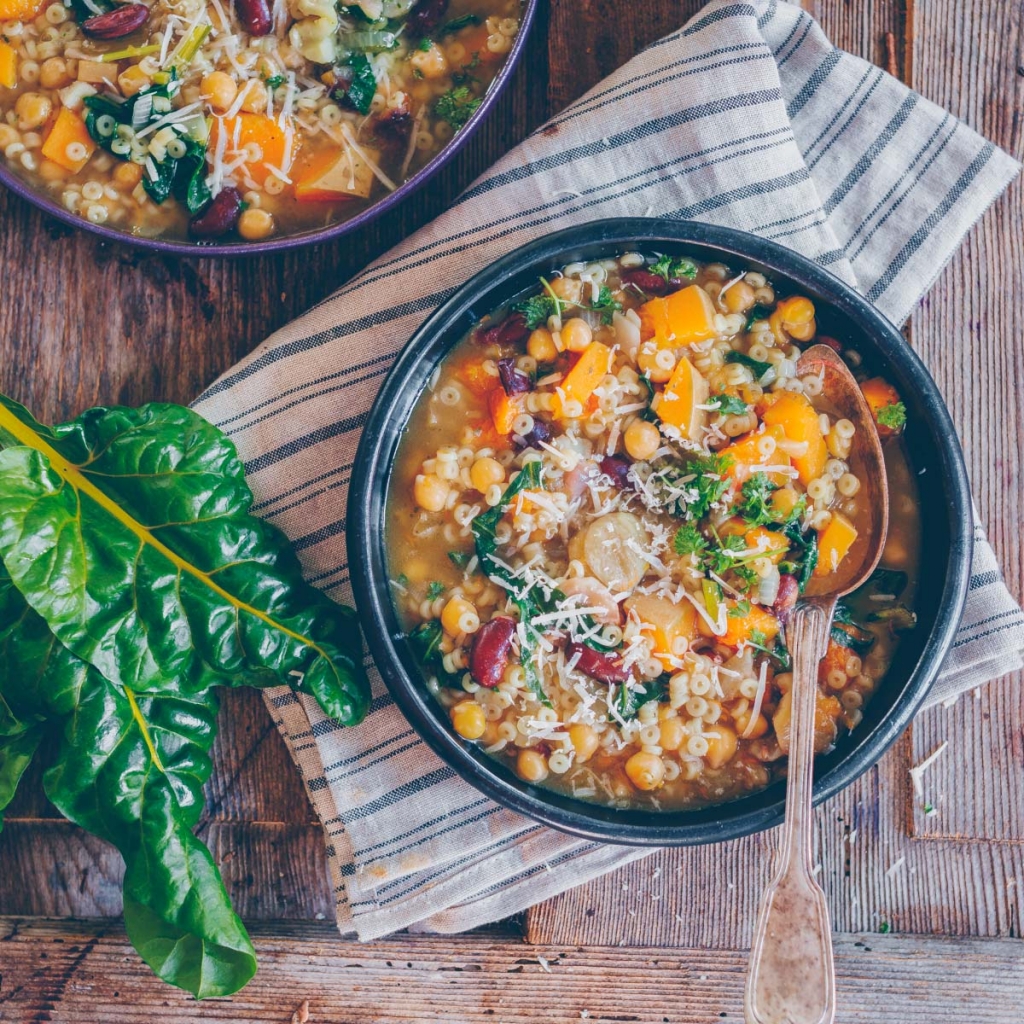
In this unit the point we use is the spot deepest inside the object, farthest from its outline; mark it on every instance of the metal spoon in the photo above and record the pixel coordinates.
(791, 979)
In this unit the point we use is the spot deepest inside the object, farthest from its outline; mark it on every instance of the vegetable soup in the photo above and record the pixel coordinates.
(603, 511)
(238, 119)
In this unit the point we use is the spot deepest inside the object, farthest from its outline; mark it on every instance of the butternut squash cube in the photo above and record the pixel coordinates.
(679, 405)
(583, 378)
(834, 544)
(798, 418)
(332, 175)
(69, 132)
(8, 65)
(682, 318)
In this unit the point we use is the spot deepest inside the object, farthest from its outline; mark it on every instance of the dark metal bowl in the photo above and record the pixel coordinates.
(22, 188)
(931, 443)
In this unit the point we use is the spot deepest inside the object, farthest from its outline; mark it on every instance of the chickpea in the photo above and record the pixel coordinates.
(584, 741)
(53, 73)
(32, 109)
(797, 314)
(647, 360)
(568, 288)
(255, 98)
(485, 473)
(460, 616)
(430, 63)
(531, 765)
(541, 346)
(219, 90)
(576, 334)
(468, 719)
(431, 492)
(739, 298)
(8, 135)
(742, 721)
(645, 771)
(132, 80)
(255, 224)
(673, 733)
(642, 439)
(721, 745)
(127, 176)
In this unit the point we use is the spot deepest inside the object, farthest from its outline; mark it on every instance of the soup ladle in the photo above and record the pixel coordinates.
(791, 977)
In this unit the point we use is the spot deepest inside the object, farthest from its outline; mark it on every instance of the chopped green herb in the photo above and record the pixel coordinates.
(606, 304)
(424, 45)
(673, 269)
(755, 366)
(893, 416)
(457, 106)
(275, 81)
(460, 559)
(435, 590)
(929, 808)
(402, 580)
(740, 609)
(758, 638)
(689, 540)
(709, 484)
(884, 928)
(537, 310)
(728, 405)
(755, 503)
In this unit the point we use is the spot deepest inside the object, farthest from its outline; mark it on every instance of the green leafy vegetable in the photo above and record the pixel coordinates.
(755, 503)
(673, 269)
(756, 313)
(802, 557)
(689, 540)
(426, 639)
(893, 416)
(605, 304)
(460, 559)
(740, 609)
(628, 700)
(363, 86)
(424, 45)
(457, 106)
(846, 632)
(134, 582)
(537, 310)
(458, 24)
(710, 483)
(435, 590)
(755, 366)
(728, 405)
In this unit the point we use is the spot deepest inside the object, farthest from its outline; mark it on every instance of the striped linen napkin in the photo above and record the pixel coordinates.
(747, 117)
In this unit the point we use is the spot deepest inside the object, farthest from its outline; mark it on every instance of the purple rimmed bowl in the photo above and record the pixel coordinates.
(239, 248)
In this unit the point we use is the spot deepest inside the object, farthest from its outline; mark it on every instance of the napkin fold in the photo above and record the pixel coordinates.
(748, 117)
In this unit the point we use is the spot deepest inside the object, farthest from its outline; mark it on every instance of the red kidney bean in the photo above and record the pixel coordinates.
(121, 21)
(255, 16)
(488, 657)
(219, 216)
(789, 591)
(824, 339)
(617, 467)
(540, 432)
(651, 284)
(605, 668)
(511, 331)
(425, 17)
(395, 124)
(514, 381)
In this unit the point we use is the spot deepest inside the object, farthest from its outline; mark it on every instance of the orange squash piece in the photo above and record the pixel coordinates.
(834, 544)
(264, 131)
(739, 628)
(880, 394)
(774, 545)
(8, 65)
(504, 410)
(679, 405)
(580, 381)
(664, 622)
(826, 713)
(746, 458)
(19, 10)
(476, 378)
(330, 176)
(796, 416)
(682, 318)
(68, 129)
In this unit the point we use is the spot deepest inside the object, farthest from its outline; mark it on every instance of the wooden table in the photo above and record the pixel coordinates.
(83, 323)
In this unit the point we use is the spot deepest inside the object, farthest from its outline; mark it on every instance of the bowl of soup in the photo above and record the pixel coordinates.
(592, 489)
(231, 128)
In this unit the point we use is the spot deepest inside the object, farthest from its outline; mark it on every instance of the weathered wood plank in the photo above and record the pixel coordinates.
(84, 971)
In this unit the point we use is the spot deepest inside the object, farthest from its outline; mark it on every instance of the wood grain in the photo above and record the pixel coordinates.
(85, 972)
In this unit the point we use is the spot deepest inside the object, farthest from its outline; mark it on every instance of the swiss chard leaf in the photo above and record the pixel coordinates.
(129, 768)
(128, 532)
(758, 368)
(363, 85)
(628, 700)
(802, 557)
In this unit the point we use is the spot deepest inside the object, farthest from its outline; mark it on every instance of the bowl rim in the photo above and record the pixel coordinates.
(370, 480)
(233, 250)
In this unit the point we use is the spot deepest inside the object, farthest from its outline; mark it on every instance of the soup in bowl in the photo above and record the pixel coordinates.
(247, 121)
(600, 511)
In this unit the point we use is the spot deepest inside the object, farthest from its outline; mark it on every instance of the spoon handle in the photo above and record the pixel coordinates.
(791, 979)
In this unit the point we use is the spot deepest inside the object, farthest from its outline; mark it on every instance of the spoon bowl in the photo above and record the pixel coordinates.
(792, 975)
